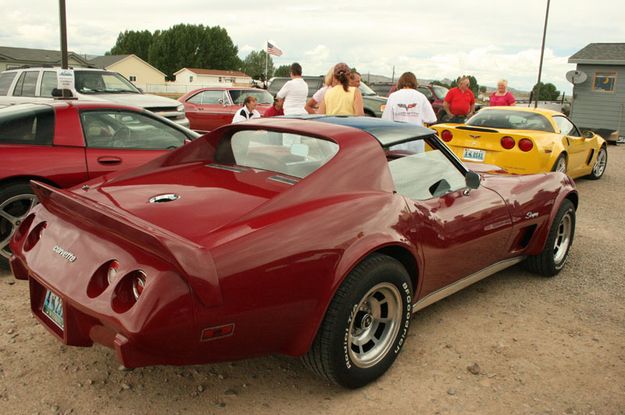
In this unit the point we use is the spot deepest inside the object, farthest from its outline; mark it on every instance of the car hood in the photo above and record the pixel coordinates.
(138, 100)
(192, 201)
(375, 98)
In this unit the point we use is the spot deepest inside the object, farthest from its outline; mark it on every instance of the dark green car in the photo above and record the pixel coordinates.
(373, 103)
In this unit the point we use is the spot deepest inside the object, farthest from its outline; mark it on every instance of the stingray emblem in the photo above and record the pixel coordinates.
(531, 215)
(407, 106)
(475, 137)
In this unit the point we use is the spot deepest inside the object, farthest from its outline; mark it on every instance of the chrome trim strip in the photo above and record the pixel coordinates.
(285, 180)
(228, 168)
(463, 283)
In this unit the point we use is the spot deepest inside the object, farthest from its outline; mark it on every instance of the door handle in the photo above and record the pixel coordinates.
(108, 160)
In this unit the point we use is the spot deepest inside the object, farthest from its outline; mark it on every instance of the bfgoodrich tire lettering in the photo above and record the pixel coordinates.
(555, 253)
(365, 325)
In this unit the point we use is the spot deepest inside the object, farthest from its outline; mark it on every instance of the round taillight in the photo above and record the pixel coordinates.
(34, 236)
(138, 283)
(447, 135)
(507, 142)
(112, 271)
(525, 144)
(23, 227)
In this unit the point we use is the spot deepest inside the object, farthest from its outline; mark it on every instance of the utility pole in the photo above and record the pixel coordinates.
(64, 60)
(542, 52)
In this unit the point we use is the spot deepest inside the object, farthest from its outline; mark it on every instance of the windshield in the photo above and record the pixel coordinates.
(262, 96)
(512, 120)
(365, 90)
(291, 154)
(440, 91)
(96, 82)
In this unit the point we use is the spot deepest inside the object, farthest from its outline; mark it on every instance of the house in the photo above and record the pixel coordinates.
(11, 58)
(599, 100)
(136, 70)
(194, 78)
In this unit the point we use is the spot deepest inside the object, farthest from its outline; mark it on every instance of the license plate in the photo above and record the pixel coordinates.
(473, 155)
(53, 308)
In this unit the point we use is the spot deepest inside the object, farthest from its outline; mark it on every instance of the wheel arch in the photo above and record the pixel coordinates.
(538, 243)
(7, 181)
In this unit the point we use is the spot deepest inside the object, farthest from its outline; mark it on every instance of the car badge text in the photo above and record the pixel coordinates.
(63, 253)
(531, 215)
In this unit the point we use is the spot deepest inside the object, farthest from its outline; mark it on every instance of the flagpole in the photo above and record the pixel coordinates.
(266, 62)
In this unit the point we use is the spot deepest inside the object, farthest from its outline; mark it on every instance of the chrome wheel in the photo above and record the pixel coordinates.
(374, 325)
(12, 212)
(602, 160)
(562, 239)
(561, 164)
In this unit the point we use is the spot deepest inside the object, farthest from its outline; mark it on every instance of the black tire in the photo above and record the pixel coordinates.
(600, 165)
(335, 354)
(16, 200)
(558, 244)
(561, 159)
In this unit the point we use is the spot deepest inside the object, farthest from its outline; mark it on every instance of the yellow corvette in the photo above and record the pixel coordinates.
(526, 140)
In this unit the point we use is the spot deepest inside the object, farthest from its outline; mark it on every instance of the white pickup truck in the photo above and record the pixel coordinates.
(27, 85)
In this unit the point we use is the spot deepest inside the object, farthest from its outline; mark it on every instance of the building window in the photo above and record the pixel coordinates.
(190, 79)
(604, 82)
(133, 78)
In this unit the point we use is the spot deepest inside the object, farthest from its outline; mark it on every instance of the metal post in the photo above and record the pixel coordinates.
(64, 60)
(542, 52)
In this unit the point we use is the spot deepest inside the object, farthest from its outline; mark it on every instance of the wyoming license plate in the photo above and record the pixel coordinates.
(53, 308)
(473, 155)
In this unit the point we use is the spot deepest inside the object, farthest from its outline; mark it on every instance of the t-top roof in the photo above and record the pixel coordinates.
(386, 132)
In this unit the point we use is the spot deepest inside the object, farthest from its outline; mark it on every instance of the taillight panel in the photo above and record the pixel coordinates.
(507, 142)
(525, 144)
(446, 136)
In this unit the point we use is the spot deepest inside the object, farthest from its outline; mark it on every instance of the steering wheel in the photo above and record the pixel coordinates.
(121, 136)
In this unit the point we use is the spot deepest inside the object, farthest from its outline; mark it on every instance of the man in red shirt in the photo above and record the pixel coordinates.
(276, 109)
(459, 102)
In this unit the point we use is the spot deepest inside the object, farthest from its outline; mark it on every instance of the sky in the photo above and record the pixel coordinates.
(488, 39)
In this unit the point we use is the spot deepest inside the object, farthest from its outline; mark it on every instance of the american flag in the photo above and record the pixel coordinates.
(273, 50)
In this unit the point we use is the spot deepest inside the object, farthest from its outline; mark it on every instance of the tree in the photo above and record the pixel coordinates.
(193, 46)
(482, 89)
(282, 70)
(254, 65)
(131, 42)
(548, 92)
(473, 85)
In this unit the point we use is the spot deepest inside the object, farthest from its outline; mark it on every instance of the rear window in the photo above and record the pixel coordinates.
(6, 79)
(27, 125)
(512, 120)
(291, 154)
(262, 97)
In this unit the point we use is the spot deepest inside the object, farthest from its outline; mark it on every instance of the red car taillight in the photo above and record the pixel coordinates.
(111, 272)
(138, 283)
(104, 276)
(525, 144)
(34, 236)
(507, 142)
(447, 135)
(128, 290)
(23, 227)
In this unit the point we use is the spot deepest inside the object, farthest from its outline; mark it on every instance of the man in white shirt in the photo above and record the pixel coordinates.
(247, 112)
(294, 92)
(408, 105)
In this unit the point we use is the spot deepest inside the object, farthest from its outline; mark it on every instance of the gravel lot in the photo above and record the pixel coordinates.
(511, 344)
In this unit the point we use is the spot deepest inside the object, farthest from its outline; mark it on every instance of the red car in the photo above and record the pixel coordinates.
(66, 143)
(269, 236)
(209, 108)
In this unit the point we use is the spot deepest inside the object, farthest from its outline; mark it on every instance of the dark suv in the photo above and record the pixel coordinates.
(372, 102)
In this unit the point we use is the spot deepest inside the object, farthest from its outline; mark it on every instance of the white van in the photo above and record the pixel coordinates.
(37, 85)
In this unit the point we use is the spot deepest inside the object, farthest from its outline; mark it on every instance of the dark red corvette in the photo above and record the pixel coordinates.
(316, 238)
(67, 142)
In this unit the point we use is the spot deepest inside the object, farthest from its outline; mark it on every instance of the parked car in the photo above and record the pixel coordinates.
(33, 85)
(527, 140)
(209, 108)
(66, 143)
(372, 102)
(436, 95)
(279, 245)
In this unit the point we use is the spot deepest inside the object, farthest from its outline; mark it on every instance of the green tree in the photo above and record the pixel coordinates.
(473, 85)
(282, 70)
(133, 42)
(254, 65)
(548, 92)
(193, 46)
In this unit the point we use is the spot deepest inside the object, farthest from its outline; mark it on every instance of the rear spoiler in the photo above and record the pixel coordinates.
(191, 260)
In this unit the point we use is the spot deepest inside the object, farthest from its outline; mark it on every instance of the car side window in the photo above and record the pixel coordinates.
(128, 130)
(426, 92)
(566, 127)
(48, 83)
(208, 97)
(26, 84)
(33, 125)
(6, 79)
(426, 173)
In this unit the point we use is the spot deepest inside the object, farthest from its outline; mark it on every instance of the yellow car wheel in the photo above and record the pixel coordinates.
(560, 164)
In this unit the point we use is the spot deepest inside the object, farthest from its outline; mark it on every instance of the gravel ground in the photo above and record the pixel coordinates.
(512, 344)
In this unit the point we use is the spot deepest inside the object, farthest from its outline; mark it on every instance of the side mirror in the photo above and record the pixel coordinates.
(588, 134)
(472, 179)
(221, 101)
(58, 93)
